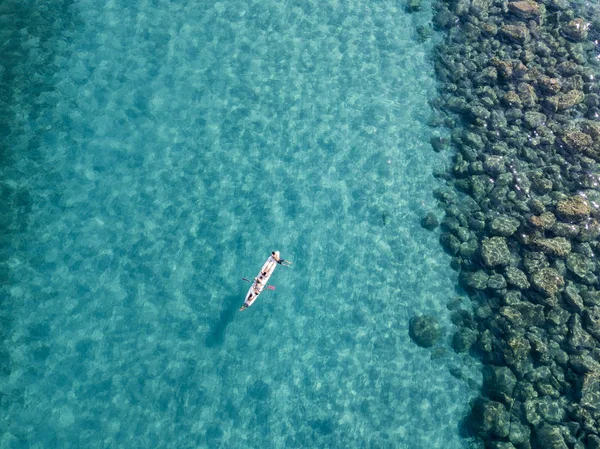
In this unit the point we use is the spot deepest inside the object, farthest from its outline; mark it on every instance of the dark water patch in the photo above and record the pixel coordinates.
(217, 333)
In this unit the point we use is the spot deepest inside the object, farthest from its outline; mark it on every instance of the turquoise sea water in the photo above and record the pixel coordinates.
(156, 154)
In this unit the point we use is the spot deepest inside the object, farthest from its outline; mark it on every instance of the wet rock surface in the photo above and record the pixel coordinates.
(519, 94)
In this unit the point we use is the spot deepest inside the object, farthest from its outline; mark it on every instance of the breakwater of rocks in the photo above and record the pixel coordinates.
(519, 92)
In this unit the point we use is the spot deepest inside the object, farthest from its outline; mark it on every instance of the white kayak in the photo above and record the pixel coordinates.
(260, 281)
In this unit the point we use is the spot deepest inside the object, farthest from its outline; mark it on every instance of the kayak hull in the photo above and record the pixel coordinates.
(260, 281)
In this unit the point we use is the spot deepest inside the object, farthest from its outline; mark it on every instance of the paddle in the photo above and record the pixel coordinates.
(270, 287)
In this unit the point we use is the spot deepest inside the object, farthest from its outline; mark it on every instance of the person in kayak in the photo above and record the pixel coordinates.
(257, 284)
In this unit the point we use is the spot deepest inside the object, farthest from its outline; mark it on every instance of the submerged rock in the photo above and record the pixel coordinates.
(490, 419)
(499, 383)
(424, 330)
(548, 281)
(580, 266)
(577, 141)
(430, 221)
(525, 9)
(550, 437)
(476, 280)
(590, 391)
(494, 251)
(551, 86)
(516, 277)
(573, 209)
(557, 246)
(515, 33)
(504, 226)
(463, 339)
(576, 29)
(545, 221)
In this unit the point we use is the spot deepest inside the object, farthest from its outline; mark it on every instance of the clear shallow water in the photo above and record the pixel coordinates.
(155, 156)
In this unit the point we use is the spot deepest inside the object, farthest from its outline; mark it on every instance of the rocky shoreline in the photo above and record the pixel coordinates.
(518, 91)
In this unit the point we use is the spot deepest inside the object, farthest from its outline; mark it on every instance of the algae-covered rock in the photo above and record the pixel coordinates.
(593, 442)
(439, 143)
(544, 408)
(544, 221)
(469, 248)
(590, 391)
(557, 246)
(550, 437)
(591, 320)
(580, 266)
(489, 28)
(576, 29)
(516, 277)
(504, 67)
(515, 350)
(519, 433)
(515, 33)
(573, 209)
(494, 165)
(499, 382)
(424, 330)
(534, 120)
(550, 86)
(476, 280)
(565, 229)
(548, 281)
(565, 101)
(589, 231)
(526, 9)
(591, 128)
(494, 251)
(572, 297)
(512, 99)
(450, 243)
(527, 94)
(479, 112)
(567, 68)
(534, 261)
(578, 338)
(490, 419)
(578, 141)
(496, 282)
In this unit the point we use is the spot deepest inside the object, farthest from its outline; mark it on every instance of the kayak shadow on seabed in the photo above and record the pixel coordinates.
(216, 336)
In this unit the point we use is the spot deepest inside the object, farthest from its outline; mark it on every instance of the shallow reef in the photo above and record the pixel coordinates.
(520, 98)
